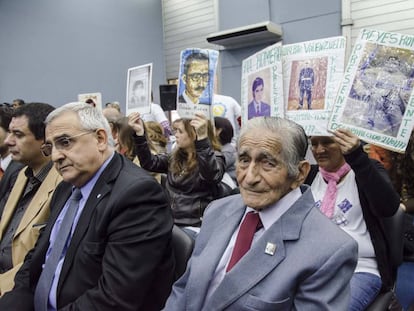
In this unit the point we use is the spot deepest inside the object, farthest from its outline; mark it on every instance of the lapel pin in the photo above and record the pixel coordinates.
(98, 196)
(270, 248)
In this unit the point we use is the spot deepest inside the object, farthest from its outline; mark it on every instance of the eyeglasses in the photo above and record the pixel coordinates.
(196, 77)
(63, 143)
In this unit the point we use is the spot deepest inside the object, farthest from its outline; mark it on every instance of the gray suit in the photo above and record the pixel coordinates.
(310, 270)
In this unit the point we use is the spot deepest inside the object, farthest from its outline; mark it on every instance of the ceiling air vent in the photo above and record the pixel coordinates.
(255, 34)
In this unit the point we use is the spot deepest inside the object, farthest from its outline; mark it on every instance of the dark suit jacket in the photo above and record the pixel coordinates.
(7, 182)
(264, 110)
(120, 255)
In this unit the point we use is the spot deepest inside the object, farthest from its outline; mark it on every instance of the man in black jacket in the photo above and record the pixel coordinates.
(118, 253)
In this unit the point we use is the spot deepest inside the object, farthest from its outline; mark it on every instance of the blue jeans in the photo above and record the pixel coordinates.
(364, 288)
(404, 288)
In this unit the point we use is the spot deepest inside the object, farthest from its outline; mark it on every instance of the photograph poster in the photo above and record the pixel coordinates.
(262, 84)
(375, 99)
(139, 86)
(94, 99)
(196, 82)
(312, 72)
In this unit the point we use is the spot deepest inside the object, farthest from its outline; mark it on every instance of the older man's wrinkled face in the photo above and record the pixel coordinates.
(262, 175)
(77, 153)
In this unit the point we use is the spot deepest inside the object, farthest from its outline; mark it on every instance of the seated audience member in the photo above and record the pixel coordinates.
(227, 107)
(17, 103)
(5, 155)
(156, 135)
(355, 192)
(8, 168)
(26, 209)
(158, 115)
(194, 168)
(115, 105)
(224, 132)
(113, 115)
(287, 267)
(107, 245)
(402, 174)
(126, 144)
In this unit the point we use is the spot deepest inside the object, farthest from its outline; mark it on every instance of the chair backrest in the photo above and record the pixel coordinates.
(183, 246)
(394, 229)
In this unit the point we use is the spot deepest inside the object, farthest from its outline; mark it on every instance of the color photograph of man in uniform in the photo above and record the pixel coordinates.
(307, 87)
(381, 89)
(195, 78)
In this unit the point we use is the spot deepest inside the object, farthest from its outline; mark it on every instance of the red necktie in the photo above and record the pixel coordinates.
(251, 223)
(1, 172)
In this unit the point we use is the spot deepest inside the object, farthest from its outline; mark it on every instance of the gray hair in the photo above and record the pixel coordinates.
(91, 118)
(292, 137)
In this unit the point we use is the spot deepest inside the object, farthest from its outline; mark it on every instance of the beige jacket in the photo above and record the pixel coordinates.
(34, 218)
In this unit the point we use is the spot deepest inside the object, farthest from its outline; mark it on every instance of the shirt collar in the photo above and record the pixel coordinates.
(6, 161)
(41, 175)
(187, 99)
(87, 188)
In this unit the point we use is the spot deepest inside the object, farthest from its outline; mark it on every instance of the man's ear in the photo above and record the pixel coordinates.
(304, 168)
(102, 138)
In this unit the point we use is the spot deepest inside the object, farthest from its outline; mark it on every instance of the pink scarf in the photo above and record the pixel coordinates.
(328, 202)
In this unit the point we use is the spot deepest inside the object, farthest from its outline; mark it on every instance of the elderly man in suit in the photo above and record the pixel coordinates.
(107, 245)
(27, 208)
(296, 261)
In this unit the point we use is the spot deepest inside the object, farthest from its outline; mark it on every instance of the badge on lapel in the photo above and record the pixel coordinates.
(270, 248)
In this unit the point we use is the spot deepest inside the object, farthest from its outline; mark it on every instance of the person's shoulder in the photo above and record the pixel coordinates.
(318, 226)
(231, 202)
(15, 166)
(130, 177)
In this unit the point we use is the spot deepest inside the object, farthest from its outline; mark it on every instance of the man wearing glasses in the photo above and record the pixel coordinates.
(107, 245)
(27, 208)
(195, 78)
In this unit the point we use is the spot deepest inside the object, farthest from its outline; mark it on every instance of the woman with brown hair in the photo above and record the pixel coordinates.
(194, 168)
